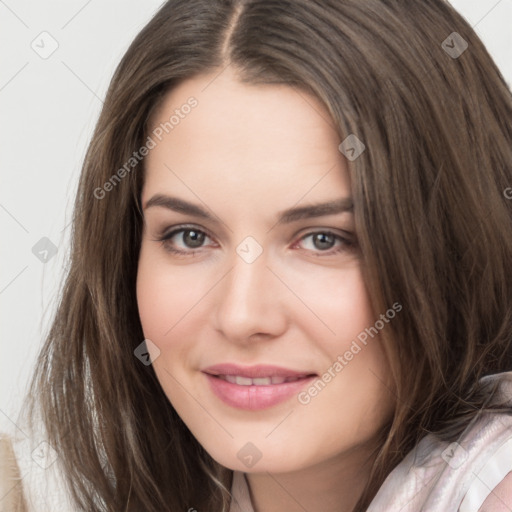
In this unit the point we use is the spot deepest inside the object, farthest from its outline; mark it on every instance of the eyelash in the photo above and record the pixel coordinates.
(165, 240)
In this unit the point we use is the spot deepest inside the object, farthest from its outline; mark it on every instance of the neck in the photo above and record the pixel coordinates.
(332, 486)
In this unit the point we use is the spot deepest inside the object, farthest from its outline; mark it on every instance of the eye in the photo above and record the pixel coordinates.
(324, 243)
(188, 240)
(184, 240)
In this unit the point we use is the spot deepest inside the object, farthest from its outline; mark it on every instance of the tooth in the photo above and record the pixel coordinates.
(263, 381)
(243, 381)
(260, 381)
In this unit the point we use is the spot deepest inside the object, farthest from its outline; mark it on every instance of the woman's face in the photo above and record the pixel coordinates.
(257, 323)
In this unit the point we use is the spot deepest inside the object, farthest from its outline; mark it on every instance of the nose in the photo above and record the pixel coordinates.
(250, 302)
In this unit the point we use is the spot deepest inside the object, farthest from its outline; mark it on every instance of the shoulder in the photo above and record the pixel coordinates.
(31, 473)
(470, 475)
(11, 488)
(491, 487)
(500, 498)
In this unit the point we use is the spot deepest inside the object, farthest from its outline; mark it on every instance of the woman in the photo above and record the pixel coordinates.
(288, 286)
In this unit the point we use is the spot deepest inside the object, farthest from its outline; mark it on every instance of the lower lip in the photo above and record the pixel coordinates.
(255, 398)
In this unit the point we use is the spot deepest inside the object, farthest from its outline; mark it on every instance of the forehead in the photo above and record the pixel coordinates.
(239, 139)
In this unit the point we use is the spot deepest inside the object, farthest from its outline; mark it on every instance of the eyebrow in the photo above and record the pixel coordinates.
(336, 206)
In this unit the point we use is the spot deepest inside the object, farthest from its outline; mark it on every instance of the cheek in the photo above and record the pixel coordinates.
(155, 301)
(165, 295)
(340, 327)
(338, 302)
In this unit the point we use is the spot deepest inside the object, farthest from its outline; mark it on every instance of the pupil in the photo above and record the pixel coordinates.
(194, 238)
(323, 241)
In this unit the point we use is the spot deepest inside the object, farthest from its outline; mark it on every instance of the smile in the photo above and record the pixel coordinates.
(257, 387)
(261, 381)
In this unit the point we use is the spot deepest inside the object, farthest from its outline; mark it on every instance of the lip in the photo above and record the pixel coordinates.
(255, 397)
(254, 372)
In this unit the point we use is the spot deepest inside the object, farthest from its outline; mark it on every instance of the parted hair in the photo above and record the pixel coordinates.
(432, 213)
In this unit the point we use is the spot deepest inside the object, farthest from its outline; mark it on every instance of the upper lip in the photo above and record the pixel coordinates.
(254, 372)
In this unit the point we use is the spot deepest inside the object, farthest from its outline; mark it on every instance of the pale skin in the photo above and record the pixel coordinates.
(245, 153)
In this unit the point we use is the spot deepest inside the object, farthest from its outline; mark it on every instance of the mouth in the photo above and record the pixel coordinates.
(256, 387)
(259, 381)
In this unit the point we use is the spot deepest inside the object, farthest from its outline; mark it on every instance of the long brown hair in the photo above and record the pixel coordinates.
(433, 224)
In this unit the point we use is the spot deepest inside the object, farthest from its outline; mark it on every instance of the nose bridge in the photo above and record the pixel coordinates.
(247, 300)
(246, 282)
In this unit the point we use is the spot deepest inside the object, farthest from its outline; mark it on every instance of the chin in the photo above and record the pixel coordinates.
(250, 458)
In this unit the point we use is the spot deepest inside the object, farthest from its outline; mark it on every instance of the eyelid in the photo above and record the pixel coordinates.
(347, 239)
(169, 232)
(311, 230)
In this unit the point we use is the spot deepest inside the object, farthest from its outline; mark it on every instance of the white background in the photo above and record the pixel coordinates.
(49, 108)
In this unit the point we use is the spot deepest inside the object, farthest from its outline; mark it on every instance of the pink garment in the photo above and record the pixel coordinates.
(437, 476)
(241, 501)
(434, 477)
